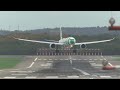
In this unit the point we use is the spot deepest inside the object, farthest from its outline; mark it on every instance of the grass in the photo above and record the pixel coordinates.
(9, 62)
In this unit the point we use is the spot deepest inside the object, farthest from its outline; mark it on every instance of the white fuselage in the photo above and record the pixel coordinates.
(68, 42)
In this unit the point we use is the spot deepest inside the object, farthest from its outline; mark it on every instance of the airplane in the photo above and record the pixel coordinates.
(68, 42)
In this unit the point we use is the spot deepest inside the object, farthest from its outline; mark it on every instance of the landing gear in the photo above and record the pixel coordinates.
(57, 51)
(74, 50)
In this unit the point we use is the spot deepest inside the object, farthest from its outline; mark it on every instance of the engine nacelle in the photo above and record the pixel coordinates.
(52, 46)
(83, 46)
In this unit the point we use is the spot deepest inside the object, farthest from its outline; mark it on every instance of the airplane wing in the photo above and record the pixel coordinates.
(39, 41)
(94, 42)
(50, 40)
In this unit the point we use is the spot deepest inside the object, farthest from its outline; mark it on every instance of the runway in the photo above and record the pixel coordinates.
(62, 67)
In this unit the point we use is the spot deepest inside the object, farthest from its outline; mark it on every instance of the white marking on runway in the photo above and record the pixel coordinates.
(70, 61)
(117, 66)
(105, 76)
(30, 77)
(48, 77)
(35, 59)
(23, 71)
(31, 65)
(83, 72)
(14, 69)
(97, 65)
(101, 59)
(73, 76)
(47, 64)
(91, 78)
(44, 65)
(18, 74)
(9, 77)
(44, 59)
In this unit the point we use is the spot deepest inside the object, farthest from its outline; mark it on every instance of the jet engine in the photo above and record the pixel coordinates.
(52, 46)
(83, 46)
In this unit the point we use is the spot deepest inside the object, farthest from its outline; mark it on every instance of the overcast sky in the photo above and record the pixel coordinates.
(51, 19)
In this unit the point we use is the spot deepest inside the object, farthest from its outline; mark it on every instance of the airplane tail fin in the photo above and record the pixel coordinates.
(60, 33)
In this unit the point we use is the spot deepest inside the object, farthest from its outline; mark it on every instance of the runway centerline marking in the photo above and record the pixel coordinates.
(83, 72)
(70, 61)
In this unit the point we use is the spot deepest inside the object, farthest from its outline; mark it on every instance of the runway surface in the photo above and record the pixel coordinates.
(62, 67)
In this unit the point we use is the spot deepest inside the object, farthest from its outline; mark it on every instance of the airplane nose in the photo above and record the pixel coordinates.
(72, 41)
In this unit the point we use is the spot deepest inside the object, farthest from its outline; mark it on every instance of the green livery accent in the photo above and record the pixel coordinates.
(69, 41)
(72, 41)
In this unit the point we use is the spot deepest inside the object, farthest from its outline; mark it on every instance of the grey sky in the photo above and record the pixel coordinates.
(52, 19)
